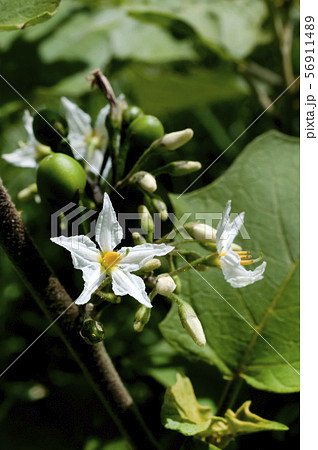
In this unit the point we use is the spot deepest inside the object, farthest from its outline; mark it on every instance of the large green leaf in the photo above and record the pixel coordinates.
(18, 14)
(231, 28)
(263, 182)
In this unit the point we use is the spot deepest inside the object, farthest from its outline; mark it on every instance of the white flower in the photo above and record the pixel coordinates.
(232, 263)
(28, 154)
(96, 264)
(87, 143)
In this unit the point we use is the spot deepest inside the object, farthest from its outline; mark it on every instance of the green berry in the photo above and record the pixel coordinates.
(144, 130)
(131, 113)
(49, 127)
(92, 331)
(60, 178)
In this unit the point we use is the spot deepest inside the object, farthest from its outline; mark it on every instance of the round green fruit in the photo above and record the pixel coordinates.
(131, 113)
(60, 178)
(49, 127)
(144, 130)
(92, 331)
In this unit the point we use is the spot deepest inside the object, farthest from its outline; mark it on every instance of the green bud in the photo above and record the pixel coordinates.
(145, 180)
(142, 317)
(161, 208)
(92, 331)
(146, 219)
(190, 322)
(108, 296)
(177, 139)
(49, 127)
(151, 265)
(28, 192)
(178, 168)
(138, 239)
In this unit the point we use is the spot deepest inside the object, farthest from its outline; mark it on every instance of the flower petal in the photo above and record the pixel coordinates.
(236, 274)
(100, 128)
(139, 255)
(126, 283)
(225, 219)
(28, 122)
(85, 255)
(230, 232)
(79, 127)
(95, 281)
(108, 231)
(22, 157)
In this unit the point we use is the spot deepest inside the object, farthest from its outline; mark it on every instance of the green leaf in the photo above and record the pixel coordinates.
(263, 182)
(18, 14)
(243, 421)
(181, 411)
(168, 91)
(232, 28)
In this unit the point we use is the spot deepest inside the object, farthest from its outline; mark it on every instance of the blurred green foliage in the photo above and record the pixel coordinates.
(210, 65)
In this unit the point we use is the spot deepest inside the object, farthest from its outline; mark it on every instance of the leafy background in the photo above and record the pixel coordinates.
(191, 64)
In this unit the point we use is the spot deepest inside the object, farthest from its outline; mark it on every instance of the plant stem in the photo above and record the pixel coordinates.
(193, 264)
(284, 36)
(229, 395)
(56, 303)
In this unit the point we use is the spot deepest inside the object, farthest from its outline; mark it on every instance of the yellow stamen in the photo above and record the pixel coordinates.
(246, 257)
(109, 260)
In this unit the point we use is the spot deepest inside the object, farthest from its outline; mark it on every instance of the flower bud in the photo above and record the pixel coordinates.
(151, 265)
(28, 192)
(179, 168)
(201, 231)
(142, 317)
(92, 331)
(146, 219)
(191, 323)
(165, 285)
(161, 207)
(172, 141)
(145, 180)
(109, 297)
(138, 239)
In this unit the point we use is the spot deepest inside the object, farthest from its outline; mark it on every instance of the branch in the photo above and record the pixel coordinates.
(54, 300)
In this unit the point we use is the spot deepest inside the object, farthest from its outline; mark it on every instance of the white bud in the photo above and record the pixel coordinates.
(172, 141)
(201, 231)
(145, 180)
(165, 285)
(191, 323)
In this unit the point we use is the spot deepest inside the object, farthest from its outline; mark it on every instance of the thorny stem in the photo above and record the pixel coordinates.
(54, 301)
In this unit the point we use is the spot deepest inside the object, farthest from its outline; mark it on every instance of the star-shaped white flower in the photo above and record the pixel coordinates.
(97, 264)
(29, 154)
(232, 263)
(87, 143)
